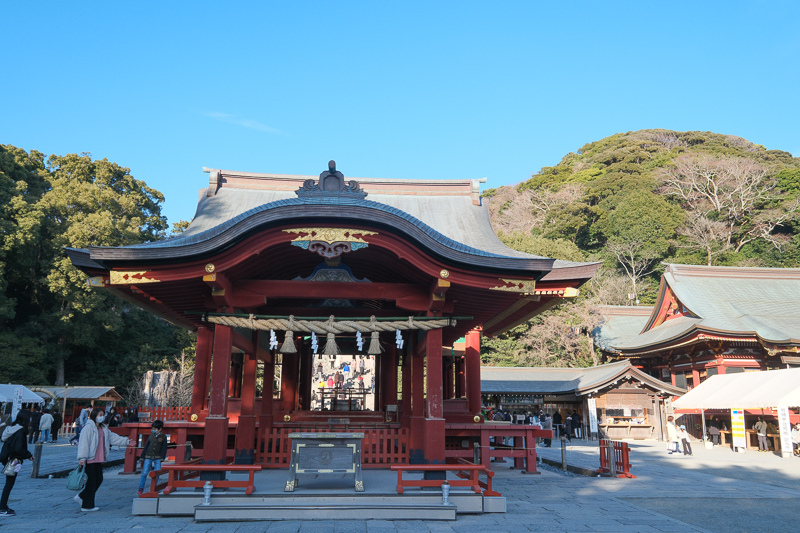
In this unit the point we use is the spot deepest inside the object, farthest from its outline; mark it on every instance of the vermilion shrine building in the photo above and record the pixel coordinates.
(279, 273)
(707, 321)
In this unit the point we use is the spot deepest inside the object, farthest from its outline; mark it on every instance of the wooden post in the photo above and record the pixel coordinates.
(202, 365)
(215, 445)
(472, 360)
(389, 377)
(434, 423)
(246, 428)
(289, 372)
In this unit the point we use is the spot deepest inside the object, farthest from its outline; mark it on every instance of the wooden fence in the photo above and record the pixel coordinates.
(380, 447)
(164, 413)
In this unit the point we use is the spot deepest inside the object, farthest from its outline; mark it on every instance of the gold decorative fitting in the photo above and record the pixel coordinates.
(524, 286)
(96, 281)
(193, 418)
(210, 268)
(476, 418)
(287, 418)
(125, 277)
(444, 274)
(330, 235)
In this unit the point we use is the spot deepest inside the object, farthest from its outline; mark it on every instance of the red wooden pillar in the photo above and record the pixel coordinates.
(202, 365)
(434, 399)
(265, 420)
(215, 442)
(389, 377)
(449, 381)
(289, 374)
(246, 427)
(472, 360)
(408, 356)
(416, 393)
(461, 377)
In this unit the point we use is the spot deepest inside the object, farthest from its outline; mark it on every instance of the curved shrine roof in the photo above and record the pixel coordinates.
(762, 303)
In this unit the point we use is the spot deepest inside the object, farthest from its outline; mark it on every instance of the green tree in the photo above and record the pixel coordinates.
(54, 323)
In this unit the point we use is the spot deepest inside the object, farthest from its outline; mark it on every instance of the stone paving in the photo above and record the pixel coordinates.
(714, 490)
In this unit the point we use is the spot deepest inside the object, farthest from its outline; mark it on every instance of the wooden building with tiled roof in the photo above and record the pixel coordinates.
(277, 271)
(708, 321)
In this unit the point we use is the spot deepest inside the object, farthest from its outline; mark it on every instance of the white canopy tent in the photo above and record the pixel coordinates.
(28, 396)
(747, 390)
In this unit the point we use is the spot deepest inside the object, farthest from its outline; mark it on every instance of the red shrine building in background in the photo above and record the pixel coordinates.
(288, 279)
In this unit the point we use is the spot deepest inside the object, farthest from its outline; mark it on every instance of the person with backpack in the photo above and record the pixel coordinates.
(14, 449)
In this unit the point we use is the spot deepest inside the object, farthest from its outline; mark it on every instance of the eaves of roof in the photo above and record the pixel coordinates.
(305, 209)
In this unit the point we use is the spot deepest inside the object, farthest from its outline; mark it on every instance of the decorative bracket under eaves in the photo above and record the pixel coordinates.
(522, 286)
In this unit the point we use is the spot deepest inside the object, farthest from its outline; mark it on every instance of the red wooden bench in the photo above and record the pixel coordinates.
(469, 471)
(181, 476)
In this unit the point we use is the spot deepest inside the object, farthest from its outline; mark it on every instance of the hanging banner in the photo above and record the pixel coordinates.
(738, 431)
(17, 405)
(785, 428)
(592, 406)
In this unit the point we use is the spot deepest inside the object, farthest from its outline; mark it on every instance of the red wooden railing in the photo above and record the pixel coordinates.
(380, 447)
(622, 461)
(165, 413)
(468, 474)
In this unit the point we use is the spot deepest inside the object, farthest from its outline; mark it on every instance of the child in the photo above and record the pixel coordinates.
(155, 451)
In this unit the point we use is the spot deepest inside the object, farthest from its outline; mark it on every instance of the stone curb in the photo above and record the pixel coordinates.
(574, 469)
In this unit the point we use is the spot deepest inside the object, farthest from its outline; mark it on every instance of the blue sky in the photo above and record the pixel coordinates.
(427, 90)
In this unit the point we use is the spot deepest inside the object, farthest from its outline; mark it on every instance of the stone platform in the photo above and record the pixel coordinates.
(325, 497)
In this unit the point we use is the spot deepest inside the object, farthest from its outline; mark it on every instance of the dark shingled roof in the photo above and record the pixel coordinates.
(555, 381)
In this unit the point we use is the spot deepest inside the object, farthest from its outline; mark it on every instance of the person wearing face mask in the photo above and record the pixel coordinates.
(93, 449)
(154, 451)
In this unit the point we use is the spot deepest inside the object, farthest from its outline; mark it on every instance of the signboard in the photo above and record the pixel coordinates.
(592, 405)
(785, 428)
(738, 431)
(17, 405)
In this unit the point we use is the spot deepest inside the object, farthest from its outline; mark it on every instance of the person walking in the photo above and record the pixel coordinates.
(796, 438)
(672, 435)
(547, 424)
(154, 451)
(684, 436)
(14, 449)
(33, 428)
(93, 449)
(568, 428)
(55, 427)
(45, 424)
(761, 430)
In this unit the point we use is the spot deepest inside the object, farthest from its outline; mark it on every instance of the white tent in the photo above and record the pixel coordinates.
(746, 390)
(28, 396)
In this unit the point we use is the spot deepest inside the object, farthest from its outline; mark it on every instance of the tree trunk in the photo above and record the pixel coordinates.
(60, 373)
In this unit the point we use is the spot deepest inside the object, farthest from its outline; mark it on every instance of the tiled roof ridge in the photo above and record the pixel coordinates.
(626, 310)
(678, 270)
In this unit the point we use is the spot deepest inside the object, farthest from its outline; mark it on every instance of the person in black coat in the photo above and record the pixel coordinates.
(33, 428)
(55, 427)
(14, 447)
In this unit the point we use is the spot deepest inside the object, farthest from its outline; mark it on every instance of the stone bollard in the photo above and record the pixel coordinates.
(563, 453)
(37, 460)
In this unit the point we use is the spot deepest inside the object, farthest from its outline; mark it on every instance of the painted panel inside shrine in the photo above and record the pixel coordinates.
(324, 303)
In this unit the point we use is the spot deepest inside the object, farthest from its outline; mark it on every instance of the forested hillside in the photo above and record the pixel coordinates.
(53, 327)
(634, 201)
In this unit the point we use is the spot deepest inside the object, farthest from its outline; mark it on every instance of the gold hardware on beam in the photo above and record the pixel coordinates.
(524, 286)
(330, 235)
(217, 292)
(571, 292)
(444, 274)
(210, 277)
(125, 277)
(210, 268)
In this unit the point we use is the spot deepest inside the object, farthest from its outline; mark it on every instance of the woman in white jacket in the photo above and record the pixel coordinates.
(93, 449)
